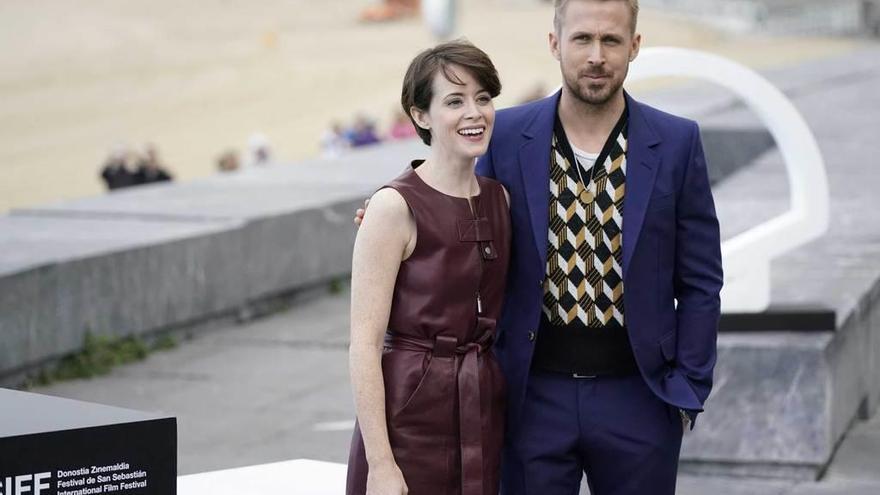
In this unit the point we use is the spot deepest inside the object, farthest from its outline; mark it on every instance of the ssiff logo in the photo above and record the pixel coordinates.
(25, 484)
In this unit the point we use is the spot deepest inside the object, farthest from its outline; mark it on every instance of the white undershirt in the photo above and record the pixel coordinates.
(586, 160)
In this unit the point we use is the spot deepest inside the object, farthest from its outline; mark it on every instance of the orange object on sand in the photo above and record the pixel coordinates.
(391, 10)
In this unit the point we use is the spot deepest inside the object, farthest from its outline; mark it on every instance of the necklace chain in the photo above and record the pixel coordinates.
(587, 186)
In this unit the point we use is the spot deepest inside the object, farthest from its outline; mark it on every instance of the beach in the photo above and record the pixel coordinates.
(198, 78)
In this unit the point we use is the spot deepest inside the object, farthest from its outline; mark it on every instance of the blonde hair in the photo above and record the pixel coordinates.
(560, 5)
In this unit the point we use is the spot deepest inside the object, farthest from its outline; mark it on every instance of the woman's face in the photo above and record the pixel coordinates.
(460, 117)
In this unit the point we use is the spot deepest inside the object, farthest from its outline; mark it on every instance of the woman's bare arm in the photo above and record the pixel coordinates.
(383, 241)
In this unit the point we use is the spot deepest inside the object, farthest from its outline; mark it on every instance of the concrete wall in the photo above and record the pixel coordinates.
(768, 414)
(784, 400)
(171, 255)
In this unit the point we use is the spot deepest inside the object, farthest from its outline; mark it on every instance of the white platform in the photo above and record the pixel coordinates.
(296, 477)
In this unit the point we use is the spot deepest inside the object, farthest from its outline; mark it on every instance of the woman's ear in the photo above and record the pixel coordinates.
(420, 117)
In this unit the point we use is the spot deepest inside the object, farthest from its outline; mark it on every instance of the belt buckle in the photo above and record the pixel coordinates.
(580, 376)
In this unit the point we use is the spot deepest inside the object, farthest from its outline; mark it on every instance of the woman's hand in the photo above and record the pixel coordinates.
(383, 241)
(386, 479)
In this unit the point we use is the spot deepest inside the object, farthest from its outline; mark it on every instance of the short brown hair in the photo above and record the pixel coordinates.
(559, 12)
(418, 89)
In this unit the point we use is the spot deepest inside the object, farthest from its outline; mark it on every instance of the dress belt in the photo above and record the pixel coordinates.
(470, 414)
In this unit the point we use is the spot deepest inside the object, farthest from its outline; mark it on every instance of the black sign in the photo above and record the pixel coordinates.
(54, 446)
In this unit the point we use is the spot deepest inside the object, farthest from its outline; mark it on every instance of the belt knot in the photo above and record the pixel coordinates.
(466, 375)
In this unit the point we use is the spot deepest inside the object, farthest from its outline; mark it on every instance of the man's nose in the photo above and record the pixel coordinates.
(595, 54)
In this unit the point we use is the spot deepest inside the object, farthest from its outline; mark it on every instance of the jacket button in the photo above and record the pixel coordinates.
(531, 336)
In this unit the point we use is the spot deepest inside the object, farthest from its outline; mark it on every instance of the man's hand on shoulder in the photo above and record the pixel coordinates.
(359, 213)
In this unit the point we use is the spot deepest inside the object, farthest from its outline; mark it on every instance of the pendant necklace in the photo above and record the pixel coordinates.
(586, 195)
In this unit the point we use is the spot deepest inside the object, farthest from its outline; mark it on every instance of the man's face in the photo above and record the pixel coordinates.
(594, 47)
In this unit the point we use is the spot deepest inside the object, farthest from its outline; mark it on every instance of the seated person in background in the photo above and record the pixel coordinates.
(116, 173)
(401, 127)
(228, 161)
(259, 151)
(334, 141)
(150, 169)
(363, 132)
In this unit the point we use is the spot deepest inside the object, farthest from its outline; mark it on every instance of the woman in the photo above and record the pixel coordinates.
(428, 276)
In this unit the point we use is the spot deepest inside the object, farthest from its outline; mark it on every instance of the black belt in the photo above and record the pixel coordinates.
(583, 352)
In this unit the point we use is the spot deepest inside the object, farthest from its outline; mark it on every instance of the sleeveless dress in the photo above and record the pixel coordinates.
(444, 391)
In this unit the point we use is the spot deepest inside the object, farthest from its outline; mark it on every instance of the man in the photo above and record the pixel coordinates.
(614, 224)
(607, 338)
(116, 173)
(150, 169)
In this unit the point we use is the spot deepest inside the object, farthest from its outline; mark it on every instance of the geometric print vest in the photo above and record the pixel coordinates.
(584, 278)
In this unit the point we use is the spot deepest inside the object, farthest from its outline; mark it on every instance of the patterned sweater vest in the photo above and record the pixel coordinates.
(584, 276)
(583, 330)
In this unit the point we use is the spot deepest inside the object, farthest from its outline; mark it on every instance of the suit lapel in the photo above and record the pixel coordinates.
(534, 164)
(642, 162)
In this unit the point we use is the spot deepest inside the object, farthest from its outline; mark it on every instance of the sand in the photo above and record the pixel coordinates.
(197, 78)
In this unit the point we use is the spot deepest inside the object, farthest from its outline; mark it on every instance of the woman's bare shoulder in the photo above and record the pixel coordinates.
(388, 202)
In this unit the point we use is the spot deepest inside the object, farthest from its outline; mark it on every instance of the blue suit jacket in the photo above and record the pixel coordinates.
(671, 248)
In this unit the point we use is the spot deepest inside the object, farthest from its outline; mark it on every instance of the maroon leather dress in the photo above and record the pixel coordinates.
(444, 392)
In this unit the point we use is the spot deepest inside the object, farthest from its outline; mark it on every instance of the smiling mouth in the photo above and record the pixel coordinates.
(472, 132)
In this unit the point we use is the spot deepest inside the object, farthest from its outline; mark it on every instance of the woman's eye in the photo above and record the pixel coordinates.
(484, 99)
(453, 103)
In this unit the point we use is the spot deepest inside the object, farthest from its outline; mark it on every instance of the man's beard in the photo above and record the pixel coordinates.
(597, 96)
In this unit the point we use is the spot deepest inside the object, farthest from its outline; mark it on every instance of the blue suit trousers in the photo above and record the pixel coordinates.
(613, 429)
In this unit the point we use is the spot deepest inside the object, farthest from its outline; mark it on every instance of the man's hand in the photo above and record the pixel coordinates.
(685, 420)
(359, 213)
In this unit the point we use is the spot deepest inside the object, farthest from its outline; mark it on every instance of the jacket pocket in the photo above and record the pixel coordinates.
(667, 346)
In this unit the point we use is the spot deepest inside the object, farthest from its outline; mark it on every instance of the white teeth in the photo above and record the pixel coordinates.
(471, 132)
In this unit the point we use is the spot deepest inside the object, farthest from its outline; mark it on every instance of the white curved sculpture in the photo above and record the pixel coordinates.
(747, 256)
(439, 15)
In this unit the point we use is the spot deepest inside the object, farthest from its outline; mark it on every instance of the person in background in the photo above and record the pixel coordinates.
(228, 161)
(334, 142)
(259, 150)
(116, 173)
(390, 10)
(401, 127)
(150, 168)
(363, 132)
